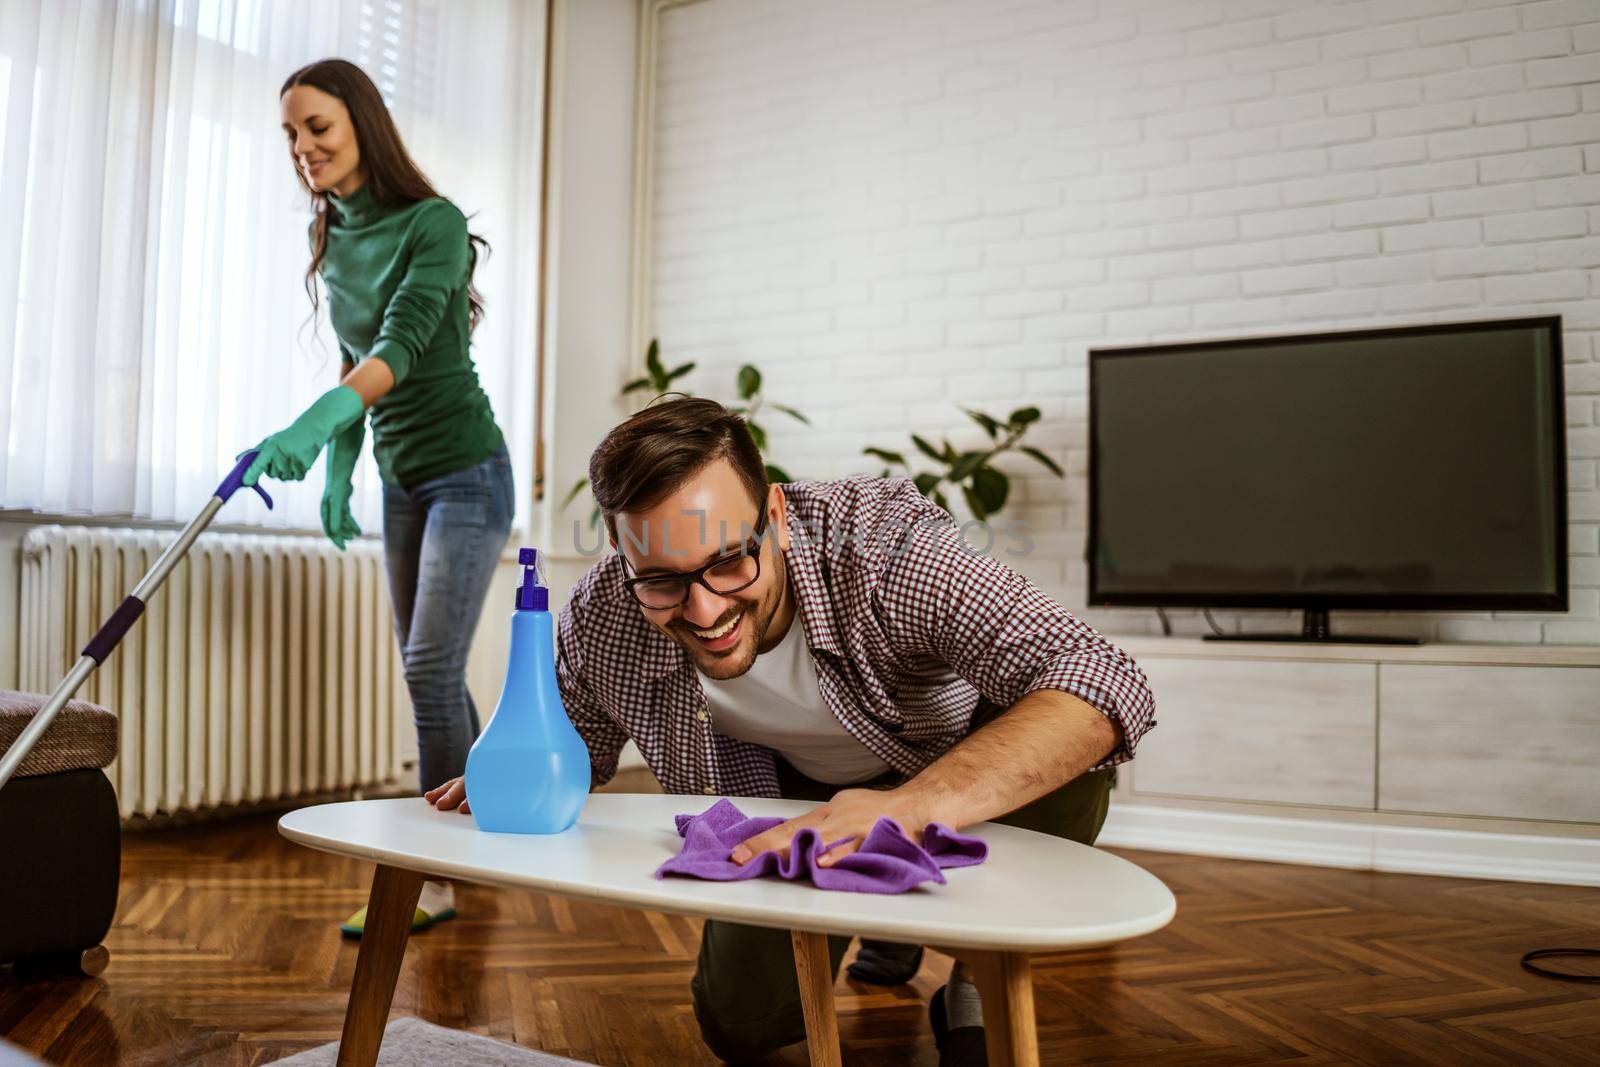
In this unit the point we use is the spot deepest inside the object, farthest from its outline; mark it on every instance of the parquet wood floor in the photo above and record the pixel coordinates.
(225, 952)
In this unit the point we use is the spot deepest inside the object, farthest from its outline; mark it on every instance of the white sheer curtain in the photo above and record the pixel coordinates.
(153, 320)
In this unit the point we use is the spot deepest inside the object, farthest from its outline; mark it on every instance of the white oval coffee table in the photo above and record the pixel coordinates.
(1034, 893)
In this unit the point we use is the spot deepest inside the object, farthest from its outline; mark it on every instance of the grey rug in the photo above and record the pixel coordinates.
(411, 1042)
(12, 1056)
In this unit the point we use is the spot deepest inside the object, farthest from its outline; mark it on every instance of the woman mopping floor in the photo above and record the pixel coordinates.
(397, 262)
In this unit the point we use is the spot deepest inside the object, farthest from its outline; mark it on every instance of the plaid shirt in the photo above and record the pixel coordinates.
(907, 626)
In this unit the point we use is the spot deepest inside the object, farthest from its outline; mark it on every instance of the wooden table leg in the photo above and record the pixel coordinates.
(390, 909)
(1005, 983)
(815, 970)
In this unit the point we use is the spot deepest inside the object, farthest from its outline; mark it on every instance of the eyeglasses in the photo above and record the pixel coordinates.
(723, 575)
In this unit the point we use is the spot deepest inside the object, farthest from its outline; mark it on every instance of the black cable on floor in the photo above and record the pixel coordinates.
(1559, 953)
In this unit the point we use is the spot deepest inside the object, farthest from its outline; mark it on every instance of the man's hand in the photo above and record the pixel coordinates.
(850, 814)
(1044, 740)
(452, 796)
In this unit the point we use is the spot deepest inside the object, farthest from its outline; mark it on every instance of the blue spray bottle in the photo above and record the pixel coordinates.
(529, 771)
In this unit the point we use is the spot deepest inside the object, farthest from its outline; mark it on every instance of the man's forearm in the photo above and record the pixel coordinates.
(1039, 744)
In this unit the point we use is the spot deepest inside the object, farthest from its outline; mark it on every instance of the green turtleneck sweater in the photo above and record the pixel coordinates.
(397, 291)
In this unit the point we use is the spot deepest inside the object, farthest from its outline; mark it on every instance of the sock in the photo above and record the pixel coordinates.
(887, 955)
(437, 897)
(961, 1004)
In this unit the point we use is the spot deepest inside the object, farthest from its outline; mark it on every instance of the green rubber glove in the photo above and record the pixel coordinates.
(289, 453)
(343, 451)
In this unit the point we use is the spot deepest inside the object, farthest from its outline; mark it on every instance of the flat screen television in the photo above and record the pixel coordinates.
(1418, 468)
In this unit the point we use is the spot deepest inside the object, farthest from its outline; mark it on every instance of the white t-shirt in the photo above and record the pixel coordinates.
(777, 704)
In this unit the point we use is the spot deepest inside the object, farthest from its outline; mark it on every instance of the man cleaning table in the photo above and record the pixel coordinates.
(832, 641)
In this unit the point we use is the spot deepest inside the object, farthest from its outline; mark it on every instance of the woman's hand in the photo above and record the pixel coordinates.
(343, 451)
(289, 453)
(337, 522)
(281, 457)
(452, 796)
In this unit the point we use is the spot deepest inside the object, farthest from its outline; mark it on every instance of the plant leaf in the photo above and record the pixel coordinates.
(572, 494)
(678, 372)
(777, 474)
(652, 358)
(925, 482)
(636, 384)
(974, 504)
(991, 487)
(1023, 416)
(990, 426)
(1046, 460)
(792, 413)
(749, 382)
(885, 455)
(964, 466)
(949, 455)
(759, 435)
(926, 449)
(938, 498)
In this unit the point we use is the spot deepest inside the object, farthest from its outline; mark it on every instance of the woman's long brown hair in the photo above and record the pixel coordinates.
(392, 175)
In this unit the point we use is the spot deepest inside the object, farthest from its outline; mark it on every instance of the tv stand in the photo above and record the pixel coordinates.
(1315, 628)
(1382, 757)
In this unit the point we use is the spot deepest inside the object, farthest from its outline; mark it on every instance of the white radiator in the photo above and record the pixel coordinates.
(265, 669)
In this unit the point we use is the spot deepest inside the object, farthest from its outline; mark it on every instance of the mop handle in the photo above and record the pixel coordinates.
(121, 621)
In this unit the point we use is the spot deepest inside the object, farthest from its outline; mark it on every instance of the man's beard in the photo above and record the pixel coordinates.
(758, 617)
(733, 663)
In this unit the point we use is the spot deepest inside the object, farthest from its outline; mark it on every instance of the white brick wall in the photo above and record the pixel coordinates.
(896, 207)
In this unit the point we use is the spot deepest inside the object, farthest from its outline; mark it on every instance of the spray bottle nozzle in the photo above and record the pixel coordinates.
(532, 595)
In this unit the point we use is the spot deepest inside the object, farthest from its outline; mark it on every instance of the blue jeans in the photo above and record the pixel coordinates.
(442, 540)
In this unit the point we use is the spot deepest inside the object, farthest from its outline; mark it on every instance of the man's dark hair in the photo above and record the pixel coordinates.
(649, 457)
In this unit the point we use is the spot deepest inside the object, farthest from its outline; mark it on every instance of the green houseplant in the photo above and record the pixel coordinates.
(984, 488)
(749, 385)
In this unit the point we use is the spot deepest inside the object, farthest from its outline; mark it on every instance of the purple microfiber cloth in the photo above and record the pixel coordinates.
(886, 862)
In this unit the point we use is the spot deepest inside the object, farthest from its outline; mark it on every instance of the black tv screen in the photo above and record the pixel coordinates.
(1420, 467)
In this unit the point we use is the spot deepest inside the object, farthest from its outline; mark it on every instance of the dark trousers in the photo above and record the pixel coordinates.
(746, 995)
